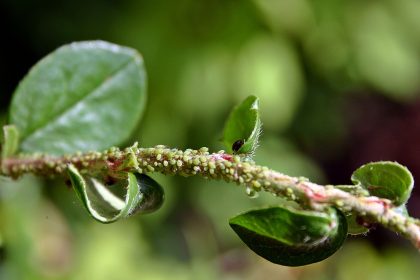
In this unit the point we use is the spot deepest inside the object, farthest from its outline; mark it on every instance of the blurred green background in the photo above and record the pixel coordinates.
(339, 86)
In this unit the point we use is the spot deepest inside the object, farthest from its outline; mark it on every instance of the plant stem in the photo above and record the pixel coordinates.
(230, 168)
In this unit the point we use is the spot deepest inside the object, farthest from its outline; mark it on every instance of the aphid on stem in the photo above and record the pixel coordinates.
(237, 145)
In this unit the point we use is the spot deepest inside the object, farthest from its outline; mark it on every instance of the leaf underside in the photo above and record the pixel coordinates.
(109, 203)
(291, 237)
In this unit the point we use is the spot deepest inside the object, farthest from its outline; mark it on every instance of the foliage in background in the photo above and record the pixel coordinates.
(306, 57)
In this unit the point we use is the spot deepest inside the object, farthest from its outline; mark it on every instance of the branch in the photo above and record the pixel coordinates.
(220, 166)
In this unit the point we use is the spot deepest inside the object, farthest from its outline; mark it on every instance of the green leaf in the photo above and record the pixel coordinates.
(385, 179)
(103, 202)
(291, 237)
(10, 141)
(243, 127)
(354, 226)
(83, 96)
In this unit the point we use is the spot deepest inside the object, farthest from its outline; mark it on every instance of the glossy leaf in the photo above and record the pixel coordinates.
(385, 179)
(83, 96)
(152, 196)
(243, 127)
(291, 237)
(141, 194)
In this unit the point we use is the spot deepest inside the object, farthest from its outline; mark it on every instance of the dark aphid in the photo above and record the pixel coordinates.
(237, 145)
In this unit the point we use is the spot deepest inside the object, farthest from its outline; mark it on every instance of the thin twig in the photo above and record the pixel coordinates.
(220, 166)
